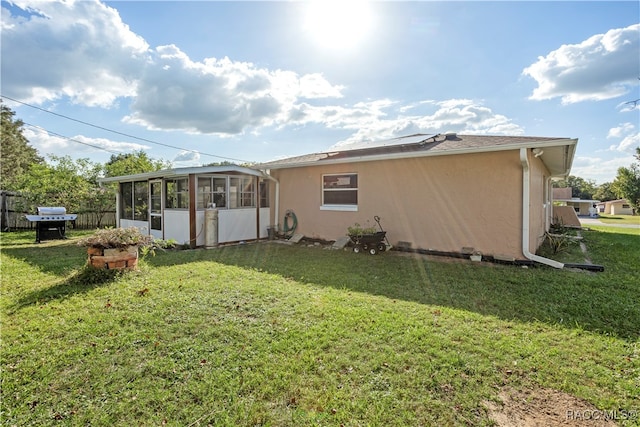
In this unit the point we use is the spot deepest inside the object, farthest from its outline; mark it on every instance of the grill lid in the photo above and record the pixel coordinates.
(52, 210)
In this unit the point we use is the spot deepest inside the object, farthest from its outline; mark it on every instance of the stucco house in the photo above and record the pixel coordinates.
(436, 192)
(448, 193)
(616, 207)
(582, 207)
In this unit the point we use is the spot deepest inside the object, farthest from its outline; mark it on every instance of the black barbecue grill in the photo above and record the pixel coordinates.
(51, 222)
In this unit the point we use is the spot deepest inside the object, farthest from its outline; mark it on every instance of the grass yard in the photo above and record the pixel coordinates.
(277, 335)
(619, 219)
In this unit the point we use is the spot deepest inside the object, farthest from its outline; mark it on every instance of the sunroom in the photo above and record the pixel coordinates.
(201, 206)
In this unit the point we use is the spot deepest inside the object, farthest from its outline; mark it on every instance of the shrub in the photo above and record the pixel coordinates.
(112, 238)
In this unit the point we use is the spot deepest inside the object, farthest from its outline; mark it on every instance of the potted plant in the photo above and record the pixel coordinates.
(358, 230)
(115, 248)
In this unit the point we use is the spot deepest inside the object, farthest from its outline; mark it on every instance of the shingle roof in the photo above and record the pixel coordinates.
(427, 146)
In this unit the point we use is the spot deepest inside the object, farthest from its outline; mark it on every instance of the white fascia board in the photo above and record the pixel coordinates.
(542, 144)
(167, 173)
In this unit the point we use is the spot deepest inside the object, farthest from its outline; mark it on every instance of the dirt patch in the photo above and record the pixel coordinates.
(546, 408)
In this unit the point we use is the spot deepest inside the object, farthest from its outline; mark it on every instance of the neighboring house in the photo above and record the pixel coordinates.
(615, 207)
(583, 207)
(436, 192)
(172, 204)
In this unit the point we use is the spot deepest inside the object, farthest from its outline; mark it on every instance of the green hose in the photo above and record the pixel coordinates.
(289, 229)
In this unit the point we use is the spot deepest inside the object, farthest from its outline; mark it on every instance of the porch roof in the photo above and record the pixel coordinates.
(170, 173)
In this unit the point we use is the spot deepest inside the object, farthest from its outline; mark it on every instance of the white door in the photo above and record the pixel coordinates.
(155, 209)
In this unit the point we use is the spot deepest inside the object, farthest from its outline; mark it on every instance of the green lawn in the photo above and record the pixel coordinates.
(620, 219)
(278, 335)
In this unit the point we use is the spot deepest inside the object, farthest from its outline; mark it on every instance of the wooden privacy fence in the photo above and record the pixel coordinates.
(12, 219)
(85, 221)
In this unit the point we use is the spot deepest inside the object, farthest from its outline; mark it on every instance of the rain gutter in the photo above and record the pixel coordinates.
(526, 201)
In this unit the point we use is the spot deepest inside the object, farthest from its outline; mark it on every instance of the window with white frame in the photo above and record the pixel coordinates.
(241, 192)
(340, 191)
(264, 194)
(212, 190)
(134, 200)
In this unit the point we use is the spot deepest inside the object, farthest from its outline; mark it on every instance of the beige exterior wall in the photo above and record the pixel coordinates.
(540, 206)
(441, 203)
(618, 208)
(566, 215)
(563, 193)
(615, 207)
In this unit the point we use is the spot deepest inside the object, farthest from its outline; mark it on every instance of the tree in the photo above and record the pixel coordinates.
(627, 183)
(16, 155)
(605, 192)
(580, 187)
(64, 182)
(133, 163)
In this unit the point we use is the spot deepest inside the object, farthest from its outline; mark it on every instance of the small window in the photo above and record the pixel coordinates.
(134, 200)
(625, 206)
(264, 194)
(156, 222)
(141, 200)
(177, 194)
(212, 190)
(340, 191)
(126, 200)
(241, 192)
(156, 197)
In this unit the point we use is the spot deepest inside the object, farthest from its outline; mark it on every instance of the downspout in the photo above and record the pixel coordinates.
(548, 203)
(277, 201)
(525, 215)
(257, 192)
(117, 202)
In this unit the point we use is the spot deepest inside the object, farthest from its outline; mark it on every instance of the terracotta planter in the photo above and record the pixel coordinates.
(114, 259)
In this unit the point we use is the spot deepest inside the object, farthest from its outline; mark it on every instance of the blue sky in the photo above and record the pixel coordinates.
(205, 81)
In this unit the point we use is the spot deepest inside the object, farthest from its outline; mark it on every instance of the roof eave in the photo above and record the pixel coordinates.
(167, 173)
(567, 161)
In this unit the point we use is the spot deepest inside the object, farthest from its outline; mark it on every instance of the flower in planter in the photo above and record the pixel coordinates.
(113, 238)
(115, 248)
(358, 230)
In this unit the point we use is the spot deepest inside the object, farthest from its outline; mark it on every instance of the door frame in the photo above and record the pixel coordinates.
(157, 234)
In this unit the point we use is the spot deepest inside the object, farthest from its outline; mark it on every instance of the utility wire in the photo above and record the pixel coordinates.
(121, 133)
(70, 139)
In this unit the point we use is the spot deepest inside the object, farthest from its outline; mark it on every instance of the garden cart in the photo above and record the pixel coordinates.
(372, 242)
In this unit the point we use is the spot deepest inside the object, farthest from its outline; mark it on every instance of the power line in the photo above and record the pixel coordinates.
(121, 133)
(70, 139)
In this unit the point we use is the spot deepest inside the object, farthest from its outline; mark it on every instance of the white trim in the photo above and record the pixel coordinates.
(526, 202)
(344, 208)
(569, 143)
(340, 207)
(179, 172)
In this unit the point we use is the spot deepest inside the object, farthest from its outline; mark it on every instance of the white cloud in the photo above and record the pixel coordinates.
(45, 142)
(187, 156)
(80, 49)
(93, 58)
(598, 169)
(315, 86)
(621, 130)
(628, 136)
(602, 67)
(454, 115)
(218, 96)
